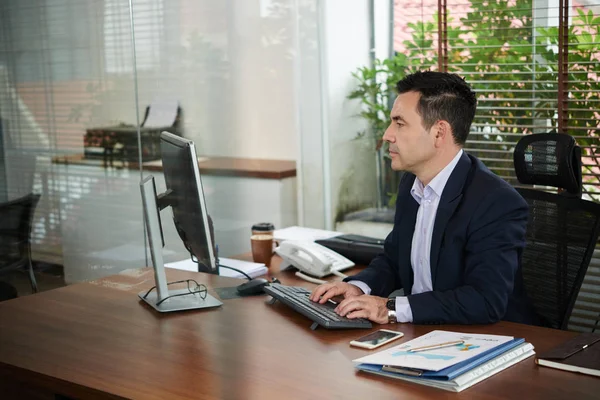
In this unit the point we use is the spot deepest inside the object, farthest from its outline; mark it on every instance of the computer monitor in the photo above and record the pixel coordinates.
(185, 196)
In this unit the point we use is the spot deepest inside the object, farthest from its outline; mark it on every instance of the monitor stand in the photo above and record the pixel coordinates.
(190, 301)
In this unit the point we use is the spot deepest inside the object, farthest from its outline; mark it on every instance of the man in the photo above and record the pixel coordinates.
(459, 230)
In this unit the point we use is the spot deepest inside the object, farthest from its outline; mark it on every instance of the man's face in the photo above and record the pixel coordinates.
(410, 144)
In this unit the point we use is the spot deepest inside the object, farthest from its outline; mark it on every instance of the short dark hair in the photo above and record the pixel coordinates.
(444, 96)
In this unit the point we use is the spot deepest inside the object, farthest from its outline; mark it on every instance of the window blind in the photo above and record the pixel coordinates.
(499, 50)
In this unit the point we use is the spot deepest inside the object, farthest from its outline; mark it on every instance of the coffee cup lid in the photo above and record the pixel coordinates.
(263, 227)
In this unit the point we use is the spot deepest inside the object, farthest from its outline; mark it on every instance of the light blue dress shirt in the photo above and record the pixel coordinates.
(428, 198)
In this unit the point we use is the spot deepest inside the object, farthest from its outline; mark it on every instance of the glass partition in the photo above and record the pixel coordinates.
(84, 84)
(68, 131)
(87, 87)
(232, 67)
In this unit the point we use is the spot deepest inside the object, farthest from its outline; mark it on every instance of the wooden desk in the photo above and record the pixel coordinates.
(97, 340)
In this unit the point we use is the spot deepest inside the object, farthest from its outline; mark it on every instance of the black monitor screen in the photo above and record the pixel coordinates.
(186, 197)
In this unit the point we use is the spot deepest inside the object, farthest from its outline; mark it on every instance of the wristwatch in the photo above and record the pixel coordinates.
(391, 306)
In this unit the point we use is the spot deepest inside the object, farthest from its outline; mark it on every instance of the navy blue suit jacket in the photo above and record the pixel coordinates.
(478, 238)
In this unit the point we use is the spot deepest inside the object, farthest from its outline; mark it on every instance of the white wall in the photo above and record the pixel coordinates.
(262, 78)
(350, 163)
(310, 116)
(383, 27)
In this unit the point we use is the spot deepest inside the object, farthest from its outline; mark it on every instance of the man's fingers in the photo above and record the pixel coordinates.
(330, 293)
(368, 307)
(319, 291)
(327, 291)
(349, 305)
(358, 314)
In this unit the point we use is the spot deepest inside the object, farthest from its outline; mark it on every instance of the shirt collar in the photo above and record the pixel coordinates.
(437, 184)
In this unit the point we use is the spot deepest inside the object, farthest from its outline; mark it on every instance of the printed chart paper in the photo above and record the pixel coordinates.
(435, 359)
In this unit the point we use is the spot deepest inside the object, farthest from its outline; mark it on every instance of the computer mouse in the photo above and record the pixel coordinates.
(254, 286)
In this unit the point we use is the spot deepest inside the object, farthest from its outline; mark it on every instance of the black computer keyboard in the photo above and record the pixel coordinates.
(321, 314)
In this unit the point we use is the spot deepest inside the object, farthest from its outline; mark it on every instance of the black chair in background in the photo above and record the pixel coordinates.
(562, 230)
(7, 291)
(15, 229)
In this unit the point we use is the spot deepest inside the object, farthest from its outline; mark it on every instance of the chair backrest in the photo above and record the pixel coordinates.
(549, 159)
(16, 218)
(562, 230)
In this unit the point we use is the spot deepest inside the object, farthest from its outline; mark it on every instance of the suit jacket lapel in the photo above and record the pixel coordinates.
(451, 198)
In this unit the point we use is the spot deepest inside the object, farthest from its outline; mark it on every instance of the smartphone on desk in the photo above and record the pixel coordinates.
(376, 339)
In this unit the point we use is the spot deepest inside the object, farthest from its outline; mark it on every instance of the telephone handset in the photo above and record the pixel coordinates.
(312, 258)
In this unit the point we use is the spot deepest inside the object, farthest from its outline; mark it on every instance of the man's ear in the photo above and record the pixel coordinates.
(442, 132)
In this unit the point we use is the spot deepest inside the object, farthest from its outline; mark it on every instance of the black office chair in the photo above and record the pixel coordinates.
(562, 230)
(15, 229)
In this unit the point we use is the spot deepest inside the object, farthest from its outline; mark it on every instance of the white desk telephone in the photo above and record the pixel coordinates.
(312, 258)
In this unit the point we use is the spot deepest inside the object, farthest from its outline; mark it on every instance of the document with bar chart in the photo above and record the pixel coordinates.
(437, 359)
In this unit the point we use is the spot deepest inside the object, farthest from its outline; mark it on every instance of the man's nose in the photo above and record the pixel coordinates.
(387, 135)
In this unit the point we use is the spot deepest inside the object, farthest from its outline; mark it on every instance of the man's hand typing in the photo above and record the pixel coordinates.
(356, 304)
(327, 291)
(369, 307)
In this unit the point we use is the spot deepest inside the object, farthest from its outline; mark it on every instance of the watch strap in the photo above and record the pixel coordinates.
(392, 317)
